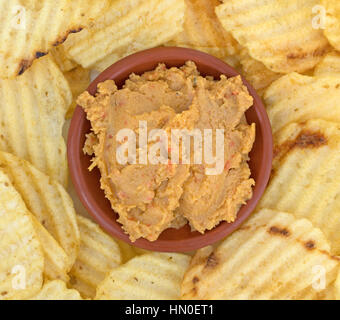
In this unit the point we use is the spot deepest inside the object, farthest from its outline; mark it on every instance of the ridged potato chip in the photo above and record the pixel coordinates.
(337, 288)
(272, 256)
(78, 79)
(259, 76)
(56, 290)
(298, 98)
(203, 31)
(29, 29)
(47, 200)
(32, 114)
(56, 261)
(64, 63)
(98, 254)
(332, 27)
(305, 177)
(21, 256)
(128, 252)
(278, 33)
(329, 66)
(126, 27)
(154, 276)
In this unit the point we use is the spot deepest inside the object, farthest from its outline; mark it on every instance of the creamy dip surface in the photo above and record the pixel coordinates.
(148, 197)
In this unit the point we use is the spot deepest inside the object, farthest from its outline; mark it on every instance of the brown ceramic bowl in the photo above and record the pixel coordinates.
(87, 183)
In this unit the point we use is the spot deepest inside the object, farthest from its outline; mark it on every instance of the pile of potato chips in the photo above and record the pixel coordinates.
(289, 50)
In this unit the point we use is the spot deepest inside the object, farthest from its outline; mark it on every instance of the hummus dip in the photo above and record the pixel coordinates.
(150, 198)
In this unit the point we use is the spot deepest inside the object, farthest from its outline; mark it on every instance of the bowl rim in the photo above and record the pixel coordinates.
(158, 55)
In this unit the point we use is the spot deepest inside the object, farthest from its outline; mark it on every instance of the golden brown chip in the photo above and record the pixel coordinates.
(98, 254)
(127, 27)
(272, 256)
(305, 179)
(21, 256)
(298, 98)
(127, 251)
(57, 290)
(29, 29)
(329, 66)
(64, 63)
(259, 76)
(47, 200)
(278, 33)
(332, 25)
(154, 276)
(79, 80)
(57, 263)
(203, 31)
(337, 288)
(32, 114)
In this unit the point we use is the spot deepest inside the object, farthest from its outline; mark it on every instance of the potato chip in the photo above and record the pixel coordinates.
(329, 293)
(57, 290)
(98, 254)
(272, 256)
(298, 98)
(47, 200)
(32, 114)
(127, 251)
(332, 27)
(127, 27)
(337, 288)
(278, 33)
(154, 276)
(203, 31)
(259, 76)
(57, 264)
(78, 205)
(330, 65)
(29, 29)
(234, 61)
(64, 63)
(21, 256)
(305, 178)
(79, 80)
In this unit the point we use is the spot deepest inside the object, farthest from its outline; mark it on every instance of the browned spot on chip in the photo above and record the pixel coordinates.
(40, 54)
(310, 245)
(76, 30)
(297, 55)
(310, 140)
(304, 140)
(302, 55)
(63, 38)
(4, 293)
(336, 258)
(195, 280)
(24, 65)
(211, 261)
(194, 291)
(280, 231)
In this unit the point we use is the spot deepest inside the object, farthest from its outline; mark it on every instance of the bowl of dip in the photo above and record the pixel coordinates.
(167, 205)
